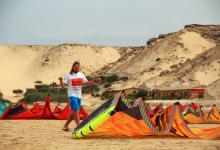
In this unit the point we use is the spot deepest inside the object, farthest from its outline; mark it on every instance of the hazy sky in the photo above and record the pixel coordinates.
(99, 22)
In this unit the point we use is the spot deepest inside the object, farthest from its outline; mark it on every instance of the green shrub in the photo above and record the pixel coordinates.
(64, 90)
(39, 82)
(151, 69)
(106, 85)
(112, 78)
(53, 85)
(29, 92)
(188, 59)
(200, 95)
(34, 96)
(1, 94)
(103, 78)
(97, 95)
(105, 95)
(41, 96)
(97, 89)
(44, 89)
(141, 93)
(163, 97)
(5, 100)
(131, 96)
(61, 98)
(158, 59)
(124, 78)
(89, 78)
(148, 98)
(89, 89)
(41, 86)
(17, 92)
(169, 97)
(110, 96)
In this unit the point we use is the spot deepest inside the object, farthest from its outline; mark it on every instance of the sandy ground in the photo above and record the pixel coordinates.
(47, 134)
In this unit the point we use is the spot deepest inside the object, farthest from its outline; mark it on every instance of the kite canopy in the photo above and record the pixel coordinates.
(21, 111)
(36, 108)
(120, 117)
(193, 115)
(3, 106)
(213, 115)
(157, 109)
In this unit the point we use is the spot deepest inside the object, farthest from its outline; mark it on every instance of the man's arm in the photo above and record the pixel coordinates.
(61, 82)
(96, 80)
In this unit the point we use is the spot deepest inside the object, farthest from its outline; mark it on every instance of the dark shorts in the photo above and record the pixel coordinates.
(75, 103)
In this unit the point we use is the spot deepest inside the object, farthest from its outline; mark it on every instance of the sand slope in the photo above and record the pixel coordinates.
(21, 66)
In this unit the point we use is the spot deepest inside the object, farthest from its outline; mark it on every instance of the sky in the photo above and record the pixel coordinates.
(99, 22)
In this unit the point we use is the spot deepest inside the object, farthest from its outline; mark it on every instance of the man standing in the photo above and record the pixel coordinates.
(74, 81)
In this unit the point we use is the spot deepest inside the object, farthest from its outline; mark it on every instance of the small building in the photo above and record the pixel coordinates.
(132, 90)
(198, 91)
(177, 92)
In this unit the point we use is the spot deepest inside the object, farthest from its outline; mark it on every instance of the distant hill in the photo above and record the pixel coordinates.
(190, 56)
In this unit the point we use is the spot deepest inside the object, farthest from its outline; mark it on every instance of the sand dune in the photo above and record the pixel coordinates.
(21, 66)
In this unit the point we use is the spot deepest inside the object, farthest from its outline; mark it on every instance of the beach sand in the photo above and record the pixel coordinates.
(48, 134)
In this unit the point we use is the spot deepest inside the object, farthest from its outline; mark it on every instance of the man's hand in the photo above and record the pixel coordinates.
(61, 82)
(60, 78)
(97, 80)
(91, 82)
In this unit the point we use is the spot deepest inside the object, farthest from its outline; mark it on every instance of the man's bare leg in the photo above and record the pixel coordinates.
(76, 116)
(69, 119)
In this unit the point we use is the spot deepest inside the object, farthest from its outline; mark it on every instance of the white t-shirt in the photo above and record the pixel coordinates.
(74, 82)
